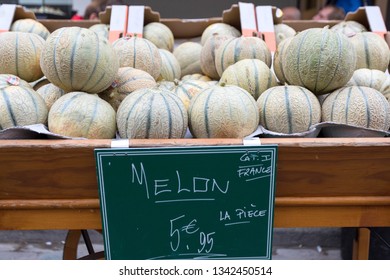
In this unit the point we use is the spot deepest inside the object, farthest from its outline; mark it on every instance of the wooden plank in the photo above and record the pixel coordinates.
(361, 245)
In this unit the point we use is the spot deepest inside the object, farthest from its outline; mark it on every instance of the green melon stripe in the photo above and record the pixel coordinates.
(149, 117)
(55, 52)
(340, 44)
(135, 103)
(223, 52)
(31, 30)
(72, 57)
(324, 36)
(185, 90)
(367, 106)
(309, 106)
(168, 108)
(238, 80)
(334, 103)
(171, 67)
(206, 112)
(9, 108)
(94, 114)
(347, 105)
(151, 52)
(257, 89)
(68, 102)
(134, 78)
(97, 84)
(134, 52)
(366, 52)
(254, 51)
(237, 50)
(371, 77)
(267, 95)
(299, 58)
(288, 109)
(17, 54)
(96, 62)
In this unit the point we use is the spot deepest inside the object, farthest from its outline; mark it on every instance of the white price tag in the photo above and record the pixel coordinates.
(7, 12)
(135, 24)
(118, 21)
(247, 19)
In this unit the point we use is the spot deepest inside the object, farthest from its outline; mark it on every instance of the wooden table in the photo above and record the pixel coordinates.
(321, 182)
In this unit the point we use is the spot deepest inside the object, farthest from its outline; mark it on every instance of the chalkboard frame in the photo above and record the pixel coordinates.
(268, 152)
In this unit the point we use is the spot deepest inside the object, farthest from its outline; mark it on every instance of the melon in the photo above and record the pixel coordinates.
(127, 80)
(319, 59)
(219, 28)
(152, 113)
(160, 35)
(371, 78)
(235, 49)
(207, 55)
(79, 114)
(186, 89)
(188, 55)
(288, 109)
(77, 59)
(223, 112)
(50, 93)
(170, 67)
(20, 55)
(283, 31)
(358, 106)
(197, 76)
(30, 26)
(12, 80)
(349, 27)
(372, 51)
(253, 75)
(138, 53)
(101, 29)
(166, 85)
(277, 63)
(20, 106)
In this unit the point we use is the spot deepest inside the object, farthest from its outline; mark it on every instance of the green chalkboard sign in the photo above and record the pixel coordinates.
(210, 202)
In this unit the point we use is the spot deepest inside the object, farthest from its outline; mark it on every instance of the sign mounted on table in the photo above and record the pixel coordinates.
(212, 202)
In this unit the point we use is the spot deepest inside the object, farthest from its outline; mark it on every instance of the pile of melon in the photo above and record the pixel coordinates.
(223, 86)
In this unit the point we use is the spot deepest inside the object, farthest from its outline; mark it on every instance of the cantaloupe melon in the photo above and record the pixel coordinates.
(235, 49)
(138, 53)
(187, 89)
(349, 27)
(160, 35)
(20, 106)
(253, 75)
(101, 29)
(219, 28)
(188, 55)
(50, 93)
(170, 67)
(372, 51)
(197, 76)
(288, 109)
(152, 113)
(319, 59)
(277, 63)
(77, 59)
(358, 106)
(79, 114)
(20, 54)
(207, 55)
(223, 112)
(30, 26)
(126, 81)
(283, 31)
(371, 78)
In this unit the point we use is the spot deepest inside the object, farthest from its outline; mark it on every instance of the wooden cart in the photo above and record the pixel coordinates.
(321, 182)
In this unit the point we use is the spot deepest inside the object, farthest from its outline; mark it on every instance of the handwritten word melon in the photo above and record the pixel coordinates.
(138, 53)
(188, 55)
(358, 106)
(223, 112)
(207, 55)
(160, 35)
(20, 106)
(219, 28)
(187, 89)
(79, 114)
(372, 51)
(170, 67)
(371, 78)
(50, 93)
(253, 75)
(235, 49)
(20, 55)
(127, 80)
(77, 59)
(30, 26)
(319, 59)
(288, 109)
(152, 113)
